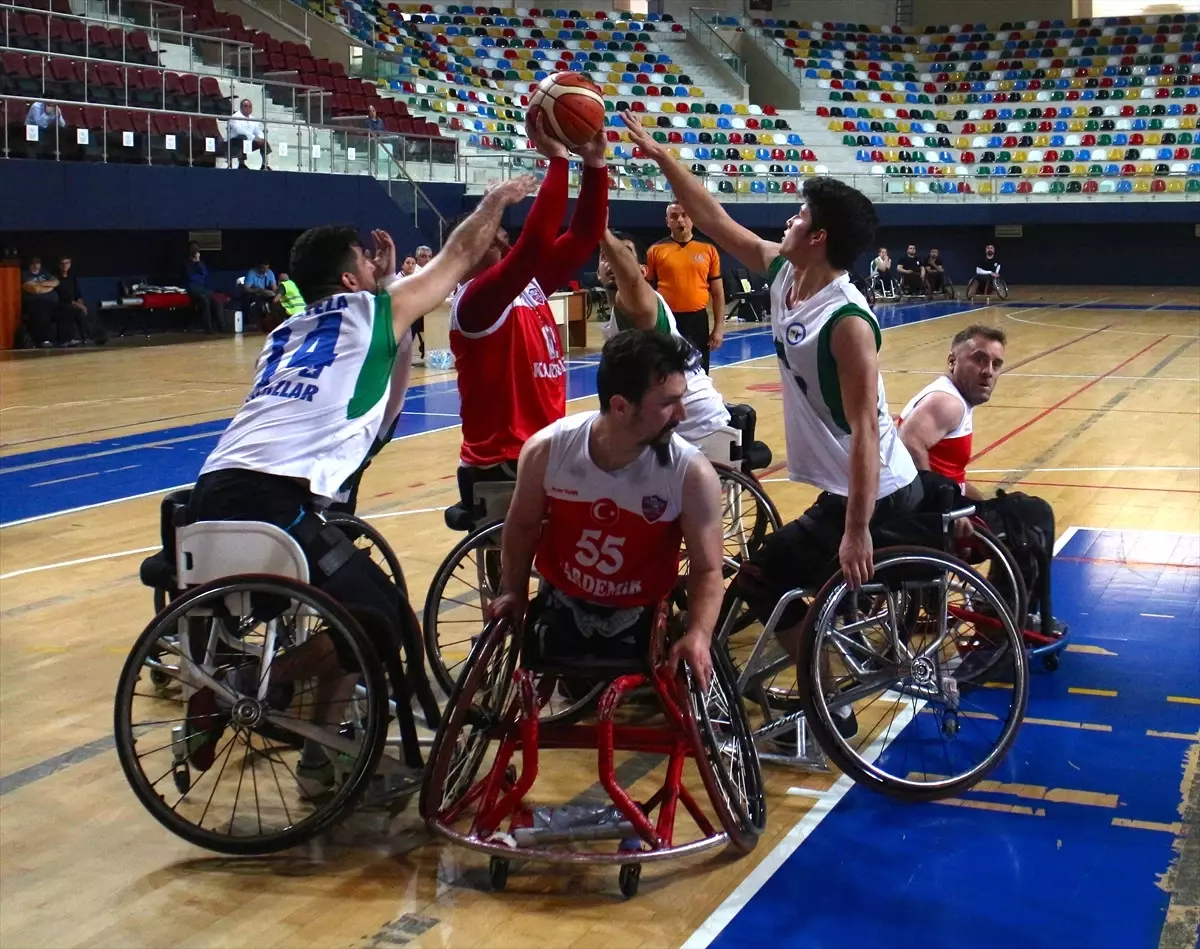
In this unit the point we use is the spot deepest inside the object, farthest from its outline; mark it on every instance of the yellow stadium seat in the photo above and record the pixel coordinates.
(740, 109)
(1142, 186)
(695, 92)
(743, 186)
(1175, 186)
(1041, 141)
(609, 89)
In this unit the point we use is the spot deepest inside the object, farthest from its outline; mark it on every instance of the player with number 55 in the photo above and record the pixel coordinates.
(602, 503)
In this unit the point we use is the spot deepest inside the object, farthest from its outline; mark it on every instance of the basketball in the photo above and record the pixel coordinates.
(573, 107)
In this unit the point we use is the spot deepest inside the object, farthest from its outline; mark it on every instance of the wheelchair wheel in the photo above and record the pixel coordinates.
(218, 761)
(368, 538)
(921, 735)
(1001, 288)
(748, 514)
(479, 701)
(725, 737)
(948, 290)
(1004, 575)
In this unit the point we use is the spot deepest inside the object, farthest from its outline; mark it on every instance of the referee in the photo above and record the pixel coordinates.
(687, 273)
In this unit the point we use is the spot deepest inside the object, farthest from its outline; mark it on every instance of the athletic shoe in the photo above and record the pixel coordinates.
(316, 780)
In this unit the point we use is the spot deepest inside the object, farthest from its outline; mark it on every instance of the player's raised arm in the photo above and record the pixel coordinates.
(415, 296)
(635, 298)
(702, 207)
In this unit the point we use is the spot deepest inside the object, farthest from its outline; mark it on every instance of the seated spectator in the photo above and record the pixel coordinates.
(39, 305)
(374, 122)
(986, 272)
(882, 282)
(424, 254)
(935, 272)
(911, 272)
(260, 289)
(289, 296)
(409, 267)
(208, 310)
(243, 127)
(72, 313)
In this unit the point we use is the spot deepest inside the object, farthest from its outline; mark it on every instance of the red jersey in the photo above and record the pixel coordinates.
(512, 381)
(948, 457)
(611, 537)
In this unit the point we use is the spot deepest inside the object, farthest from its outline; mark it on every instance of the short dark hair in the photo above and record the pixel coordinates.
(846, 216)
(319, 258)
(637, 246)
(635, 360)
(978, 329)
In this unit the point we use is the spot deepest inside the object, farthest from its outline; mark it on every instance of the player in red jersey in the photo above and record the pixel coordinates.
(602, 503)
(506, 344)
(937, 428)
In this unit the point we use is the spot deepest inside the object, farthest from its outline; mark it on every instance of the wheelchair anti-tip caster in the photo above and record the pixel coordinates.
(630, 876)
(1050, 661)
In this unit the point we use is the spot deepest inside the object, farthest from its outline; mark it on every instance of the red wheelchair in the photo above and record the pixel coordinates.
(485, 787)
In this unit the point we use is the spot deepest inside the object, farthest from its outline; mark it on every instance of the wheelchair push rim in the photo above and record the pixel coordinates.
(263, 806)
(923, 714)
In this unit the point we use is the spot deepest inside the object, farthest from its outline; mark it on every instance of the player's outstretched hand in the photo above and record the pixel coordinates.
(384, 259)
(594, 150)
(543, 141)
(696, 650)
(642, 138)
(513, 190)
(510, 606)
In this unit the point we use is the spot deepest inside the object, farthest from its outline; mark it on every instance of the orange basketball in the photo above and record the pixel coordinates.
(573, 107)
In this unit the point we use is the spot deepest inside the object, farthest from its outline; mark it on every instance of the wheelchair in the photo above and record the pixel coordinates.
(468, 579)
(487, 757)
(884, 289)
(947, 289)
(992, 287)
(235, 602)
(909, 655)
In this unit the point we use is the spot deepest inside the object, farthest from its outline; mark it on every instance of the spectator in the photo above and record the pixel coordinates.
(244, 128)
(260, 289)
(409, 267)
(688, 275)
(912, 272)
(424, 254)
(39, 304)
(196, 282)
(290, 297)
(44, 115)
(374, 122)
(73, 314)
(986, 273)
(882, 283)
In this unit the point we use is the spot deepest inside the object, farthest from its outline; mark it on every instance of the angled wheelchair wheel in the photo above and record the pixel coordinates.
(261, 666)
(985, 654)
(747, 514)
(479, 703)
(368, 538)
(725, 738)
(948, 290)
(887, 659)
(1001, 288)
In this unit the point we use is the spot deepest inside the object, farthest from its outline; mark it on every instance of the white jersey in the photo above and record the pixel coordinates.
(319, 395)
(815, 425)
(611, 537)
(704, 407)
(943, 383)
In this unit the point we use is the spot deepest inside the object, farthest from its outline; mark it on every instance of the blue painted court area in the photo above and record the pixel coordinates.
(1087, 800)
(40, 483)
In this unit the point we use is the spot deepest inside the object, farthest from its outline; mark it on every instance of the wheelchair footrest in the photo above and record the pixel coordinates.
(158, 573)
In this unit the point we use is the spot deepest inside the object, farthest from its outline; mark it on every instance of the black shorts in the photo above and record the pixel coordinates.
(804, 553)
(559, 627)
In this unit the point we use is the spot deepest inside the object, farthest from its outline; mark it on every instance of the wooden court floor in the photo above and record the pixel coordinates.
(1099, 413)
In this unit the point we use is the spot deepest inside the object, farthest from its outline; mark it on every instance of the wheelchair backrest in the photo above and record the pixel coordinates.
(210, 550)
(172, 514)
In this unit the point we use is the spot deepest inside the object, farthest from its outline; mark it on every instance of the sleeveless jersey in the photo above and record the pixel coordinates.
(611, 537)
(948, 457)
(815, 424)
(704, 407)
(511, 377)
(319, 394)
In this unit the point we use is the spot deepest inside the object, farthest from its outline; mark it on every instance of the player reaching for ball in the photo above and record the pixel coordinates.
(506, 345)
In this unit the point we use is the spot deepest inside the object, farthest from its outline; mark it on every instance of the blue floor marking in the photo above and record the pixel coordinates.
(875, 872)
(52, 480)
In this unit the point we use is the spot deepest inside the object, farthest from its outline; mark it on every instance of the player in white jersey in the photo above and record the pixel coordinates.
(840, 436)
(320, 393)
(636, 305)
(603, 500)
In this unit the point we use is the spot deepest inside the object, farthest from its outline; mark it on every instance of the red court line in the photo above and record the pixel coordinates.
(1105, 487)
(1053, 349)
(1131, 563)
(1083, 388)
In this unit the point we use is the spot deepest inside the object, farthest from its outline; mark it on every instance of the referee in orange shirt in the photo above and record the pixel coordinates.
(687, 273)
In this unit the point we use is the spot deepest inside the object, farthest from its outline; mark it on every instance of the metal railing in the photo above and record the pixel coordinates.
(154, 13)
(232, 55)
(707, 36)
(777, 54)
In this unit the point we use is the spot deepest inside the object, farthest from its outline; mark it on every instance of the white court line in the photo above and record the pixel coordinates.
(144, 550)
(723, 914)
(1067, 326)
(1098, 468)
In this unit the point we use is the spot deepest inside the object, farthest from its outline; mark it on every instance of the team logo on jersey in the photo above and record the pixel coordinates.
(604, 512)
(653, 507)
(796, 333)
(535, 294)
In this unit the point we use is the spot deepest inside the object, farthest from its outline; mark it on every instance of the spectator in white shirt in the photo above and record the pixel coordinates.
(243, 127)
(424, 255)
